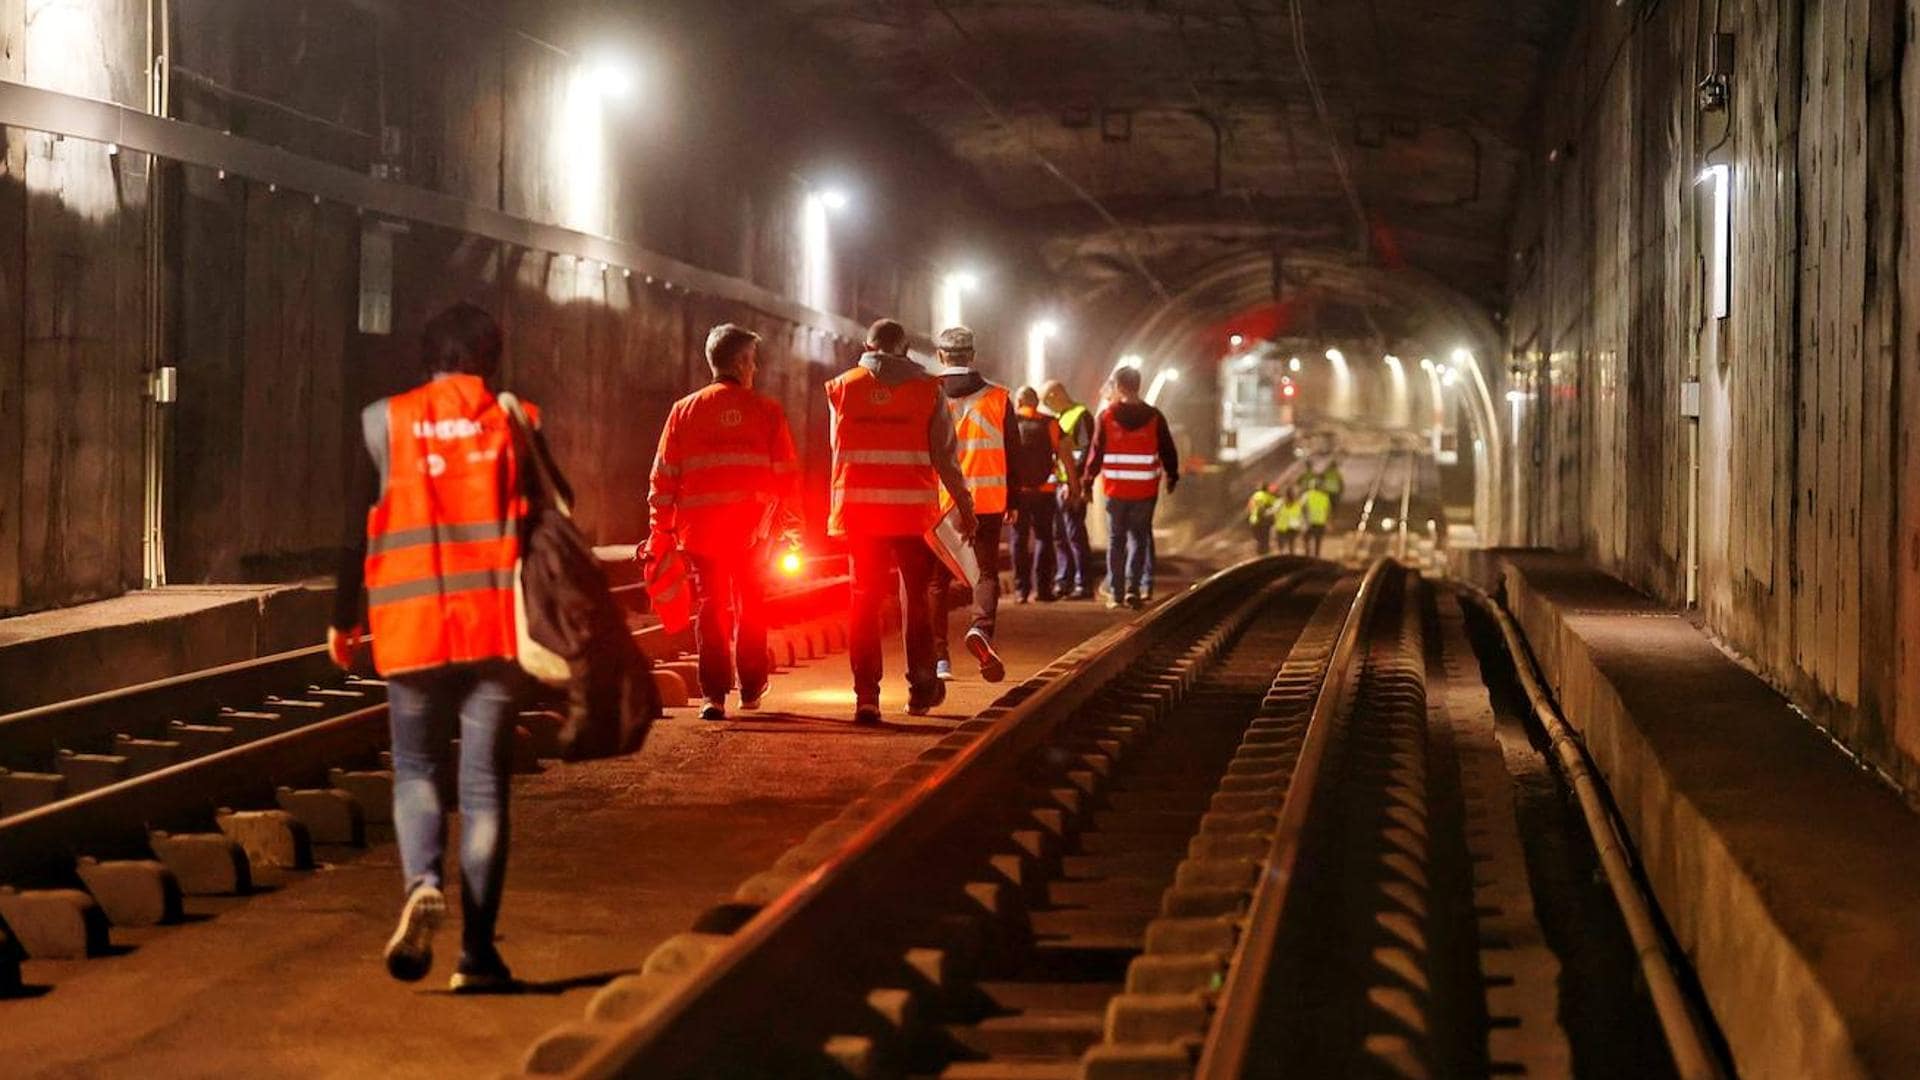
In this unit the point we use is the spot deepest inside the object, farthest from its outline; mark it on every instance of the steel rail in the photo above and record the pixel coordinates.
(39, 732)
(681, 1034)
(1687, 1033)
(1232, 1045)
(114, 820)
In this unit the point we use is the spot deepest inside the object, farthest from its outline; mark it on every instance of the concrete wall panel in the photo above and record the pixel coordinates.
(1793, 505)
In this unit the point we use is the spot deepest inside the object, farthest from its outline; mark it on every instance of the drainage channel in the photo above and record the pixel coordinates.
(1053, 892)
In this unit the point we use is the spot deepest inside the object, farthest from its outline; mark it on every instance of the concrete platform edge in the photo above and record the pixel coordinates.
(124, 641)
(1790, 977)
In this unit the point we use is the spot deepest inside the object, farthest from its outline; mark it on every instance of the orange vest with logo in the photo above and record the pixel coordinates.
(1130, 466)
(726, 458)
(883, 478)
(444, 537)
(979, 425)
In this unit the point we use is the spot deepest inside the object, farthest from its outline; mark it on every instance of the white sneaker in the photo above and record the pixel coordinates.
(410, 949)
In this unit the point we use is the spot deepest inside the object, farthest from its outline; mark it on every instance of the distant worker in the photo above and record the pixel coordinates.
(1260, 508)
(893, 450)
(433, 534)
(1037, 457)
(724, 470)
(1331, 481)
(982, 415)
(1319, 509)
(1074, 578)
(1132, 450)
(1289, 520)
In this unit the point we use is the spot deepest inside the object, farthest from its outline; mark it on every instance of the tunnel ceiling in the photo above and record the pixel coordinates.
(1192, 125)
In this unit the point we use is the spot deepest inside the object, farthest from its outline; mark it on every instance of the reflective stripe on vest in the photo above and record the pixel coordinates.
(443, 539)
(733, 452)
(1130, 464)
(979, 421)
(883, 478)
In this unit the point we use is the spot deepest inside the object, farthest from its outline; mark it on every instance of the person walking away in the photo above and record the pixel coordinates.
(1132, 451)
(893, 452)
(1074, 577)
(1037, 456)
(431, 540)
(1331, 481)
(982, 413)
(1260, 507)
(1319, 509)
(1289, 518)
(724, 471)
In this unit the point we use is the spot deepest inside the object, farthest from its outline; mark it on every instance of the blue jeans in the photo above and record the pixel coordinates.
(424, 709)
(1129, 546)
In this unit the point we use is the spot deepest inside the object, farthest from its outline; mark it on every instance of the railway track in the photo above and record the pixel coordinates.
(1264, 829)
(115, 807)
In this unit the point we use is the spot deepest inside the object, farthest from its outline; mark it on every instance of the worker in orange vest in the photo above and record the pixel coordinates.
(433, 536)
(893, 451)
(1132, 452)
(722, 491)
(982, 413)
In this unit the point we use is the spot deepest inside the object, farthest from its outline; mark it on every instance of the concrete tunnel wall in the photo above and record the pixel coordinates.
(1802, 524)
(262, 291)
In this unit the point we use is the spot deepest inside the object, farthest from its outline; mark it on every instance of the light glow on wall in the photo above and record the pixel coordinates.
(1160, 381)
(1042, 331)
(1340, 402)
(816, 248)
(946, 305)
(1398, 408)
(577, 152)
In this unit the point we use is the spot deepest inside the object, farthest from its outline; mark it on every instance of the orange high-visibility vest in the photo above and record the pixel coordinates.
(883, 478)
(1130, 466)
(726, 457)
(979, 423)
(443, 539)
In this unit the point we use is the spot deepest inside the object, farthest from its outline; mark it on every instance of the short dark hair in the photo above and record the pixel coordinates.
(463, 339)
(726, 343)
(1127, 379)
(887, 336)
(1027, 396)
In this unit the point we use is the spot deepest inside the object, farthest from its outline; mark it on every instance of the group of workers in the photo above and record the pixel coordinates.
(1293, 516)
(910, 448)
(434, 539)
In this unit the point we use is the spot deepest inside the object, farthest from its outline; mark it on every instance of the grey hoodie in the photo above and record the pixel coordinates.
(893, 370)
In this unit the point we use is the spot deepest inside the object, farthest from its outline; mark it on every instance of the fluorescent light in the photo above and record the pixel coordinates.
(1336, 356)
(1720, 266)
(834, 199)
(1132, 360)
(1293, 364)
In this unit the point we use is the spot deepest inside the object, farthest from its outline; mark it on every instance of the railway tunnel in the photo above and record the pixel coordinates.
(1582, 740)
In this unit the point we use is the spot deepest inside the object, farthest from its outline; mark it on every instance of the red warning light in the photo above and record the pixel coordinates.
(1286, 390)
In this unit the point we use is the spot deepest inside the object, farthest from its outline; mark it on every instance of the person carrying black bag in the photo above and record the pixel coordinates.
(572, 632)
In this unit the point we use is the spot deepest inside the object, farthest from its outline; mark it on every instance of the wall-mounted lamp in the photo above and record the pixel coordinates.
(1720, 244)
